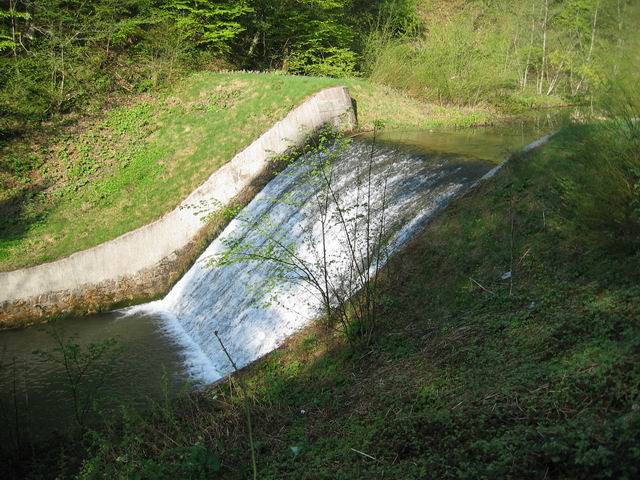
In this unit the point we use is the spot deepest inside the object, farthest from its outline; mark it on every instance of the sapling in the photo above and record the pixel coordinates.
(344, 240)
(86, 369)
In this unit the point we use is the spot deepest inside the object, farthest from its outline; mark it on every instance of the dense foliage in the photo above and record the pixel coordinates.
(511, 54)
(58, 55)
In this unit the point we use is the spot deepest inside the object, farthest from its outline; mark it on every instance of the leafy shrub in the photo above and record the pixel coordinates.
(604, 187)
(324, 62)
(452, 63)
(196, 462)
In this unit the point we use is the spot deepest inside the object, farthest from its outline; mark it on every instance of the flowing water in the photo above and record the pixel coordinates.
(413, 174)
(227, 299)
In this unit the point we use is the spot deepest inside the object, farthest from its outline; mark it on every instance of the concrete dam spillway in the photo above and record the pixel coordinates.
(143, 262)
(227, 299)
(173, 340)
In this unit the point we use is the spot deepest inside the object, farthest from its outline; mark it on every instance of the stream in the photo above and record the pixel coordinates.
(168, 344)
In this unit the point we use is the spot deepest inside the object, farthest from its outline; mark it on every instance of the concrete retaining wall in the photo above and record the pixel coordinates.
(136, 257)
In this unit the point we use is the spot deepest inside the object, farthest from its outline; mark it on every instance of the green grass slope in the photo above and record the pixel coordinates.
(106, 176)
(471, 375)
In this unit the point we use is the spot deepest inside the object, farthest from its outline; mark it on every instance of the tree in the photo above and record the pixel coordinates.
(10, 22)
(210, 24)
(337, 252)
(86, 369)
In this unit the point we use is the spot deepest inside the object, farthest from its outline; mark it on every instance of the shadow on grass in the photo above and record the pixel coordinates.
(19, 212)
(462, 381)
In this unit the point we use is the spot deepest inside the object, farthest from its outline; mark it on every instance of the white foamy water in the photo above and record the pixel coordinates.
(254, 306)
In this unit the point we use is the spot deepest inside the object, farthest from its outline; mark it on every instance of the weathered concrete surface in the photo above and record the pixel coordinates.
(137, 264)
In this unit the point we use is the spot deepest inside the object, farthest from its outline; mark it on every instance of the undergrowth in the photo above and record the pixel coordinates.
(474, 374)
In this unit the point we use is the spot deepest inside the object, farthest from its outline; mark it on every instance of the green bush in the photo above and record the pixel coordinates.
(604, 184)
(194, 462)
(600, 180)
(324, 62)
(451, 63)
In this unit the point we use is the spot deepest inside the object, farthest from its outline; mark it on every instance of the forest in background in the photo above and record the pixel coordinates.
(60, 56)
(69, 56)
(505, 53)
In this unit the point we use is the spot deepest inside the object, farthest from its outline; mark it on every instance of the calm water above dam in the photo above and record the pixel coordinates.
(167, 343)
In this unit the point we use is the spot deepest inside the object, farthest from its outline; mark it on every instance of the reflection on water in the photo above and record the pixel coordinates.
(486, 143)
(40, 389)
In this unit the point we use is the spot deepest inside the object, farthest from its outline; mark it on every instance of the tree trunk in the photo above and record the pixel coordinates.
(12, 6)
(533, 29)
(593, 39)
(254, 44)
(544, 47)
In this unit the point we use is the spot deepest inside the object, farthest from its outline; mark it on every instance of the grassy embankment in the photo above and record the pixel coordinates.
(470, 375)
(102, 177)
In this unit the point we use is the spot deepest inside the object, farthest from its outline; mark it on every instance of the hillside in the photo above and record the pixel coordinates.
(109, 174)
(501, 342)
(470, 375)
(68, 184)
